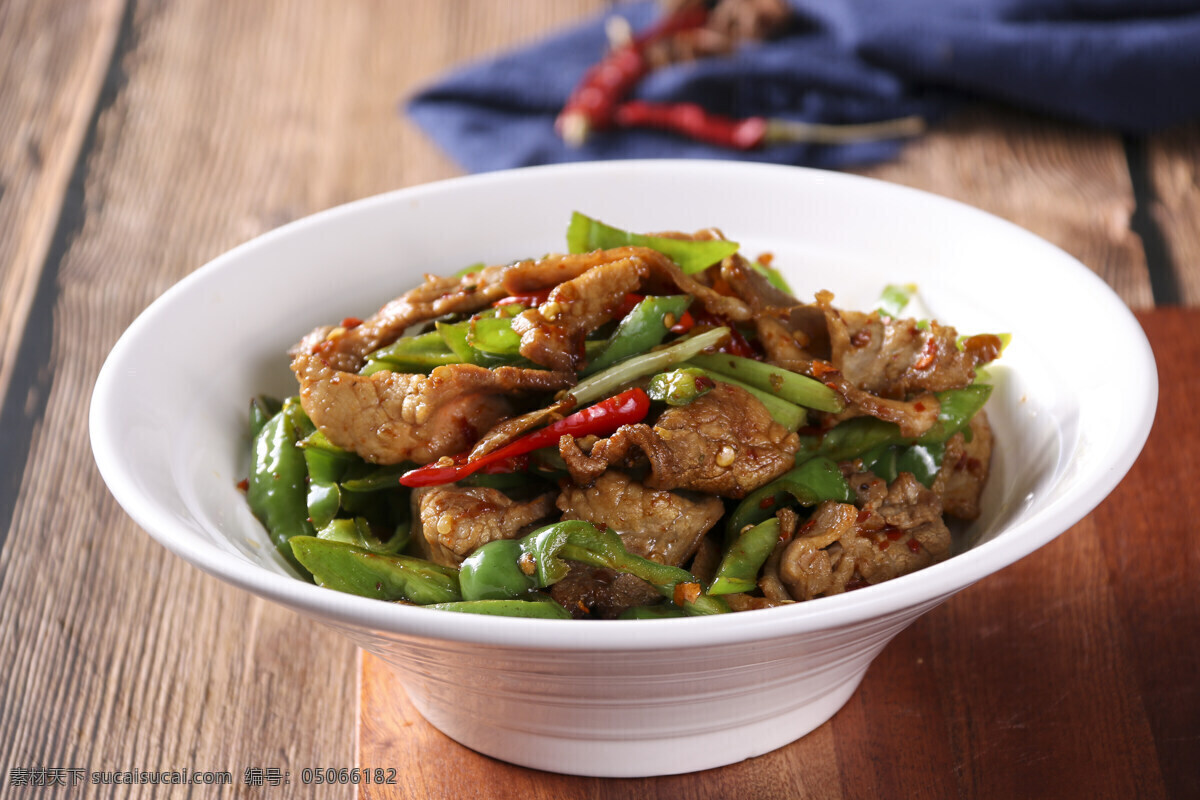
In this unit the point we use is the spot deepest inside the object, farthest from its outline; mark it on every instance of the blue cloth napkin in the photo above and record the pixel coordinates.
(1131, 65)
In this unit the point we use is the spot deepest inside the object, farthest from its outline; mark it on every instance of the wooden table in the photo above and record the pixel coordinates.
(139, 140)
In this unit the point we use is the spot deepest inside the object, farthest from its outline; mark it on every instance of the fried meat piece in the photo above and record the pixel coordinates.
(723, 443)
(659, 525)
(391, 417)
(965, 467)
(891, 531)
(895, 358)
(457, 519)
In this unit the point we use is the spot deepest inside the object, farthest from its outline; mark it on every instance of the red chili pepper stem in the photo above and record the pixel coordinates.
(626, 408)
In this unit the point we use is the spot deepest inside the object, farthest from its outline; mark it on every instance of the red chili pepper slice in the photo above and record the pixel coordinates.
(686, 323)
(527, 300)
(626, 408)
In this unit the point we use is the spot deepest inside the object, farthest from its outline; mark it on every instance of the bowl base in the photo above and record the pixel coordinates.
(639, 757)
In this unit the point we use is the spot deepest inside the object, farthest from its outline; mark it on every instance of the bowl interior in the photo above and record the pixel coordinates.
(169, 412)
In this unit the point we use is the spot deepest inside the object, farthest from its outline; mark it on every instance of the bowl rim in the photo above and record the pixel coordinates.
(921, 590)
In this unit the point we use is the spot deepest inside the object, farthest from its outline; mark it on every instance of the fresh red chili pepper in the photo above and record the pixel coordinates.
(527, 300)
(626, 408)
(686, 323)
(594, 99)
(692, 121)
(627, 305)
(737, 345)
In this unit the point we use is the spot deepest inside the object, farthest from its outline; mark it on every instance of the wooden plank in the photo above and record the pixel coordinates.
(1067, 674)
(53, 59)
(1174, 163)
(222, 120)
(1069, 185)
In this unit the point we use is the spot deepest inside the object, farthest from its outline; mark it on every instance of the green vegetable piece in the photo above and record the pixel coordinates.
(493, 334)
(378, 479)
(813, 482)
(956, 407)
(262, 408)
(493, 572)
(529, 609)
(326, 463)
(680, 386)
(860, 435)
(773, 276)
(356, 570)
(605, 383)
(277, 490)
(358, 532)
(785, 384)
(662, 611)
(924, 461)
(642, 329)
(455, 337)
(470, 269)
(895, 298)
(585, 234)
(413, 354)
(789, 415)
(738, 571)
(514, 568)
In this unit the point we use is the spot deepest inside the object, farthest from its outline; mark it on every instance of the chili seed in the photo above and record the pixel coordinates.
(726, 456)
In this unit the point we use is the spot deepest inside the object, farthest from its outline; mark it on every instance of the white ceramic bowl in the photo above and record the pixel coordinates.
(1074, 402)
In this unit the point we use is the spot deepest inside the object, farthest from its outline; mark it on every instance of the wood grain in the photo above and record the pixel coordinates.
(1068, 184)
(53, 60)
(1174, 158)
(116, 654)
(1061, 676)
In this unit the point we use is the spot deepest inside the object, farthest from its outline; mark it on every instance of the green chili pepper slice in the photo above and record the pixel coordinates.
(262, 408)
(663, 611)
(642, 329)
(277, 489)
(680, 387)
(813, 482)
(738, 571)
(356, 570)
(514, 568)
(529, 609)
(784, 384)
(585, 234)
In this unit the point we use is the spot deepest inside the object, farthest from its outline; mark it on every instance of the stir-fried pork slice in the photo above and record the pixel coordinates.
(812, 565)
(345, 348)
(802, 325)
(390, 417)
(723, 443)
(892, 531)
(552, 334)
(662, 526)
(964, 470)
(457, 519)
(901, 531)
(895, 357)
(913, 416)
